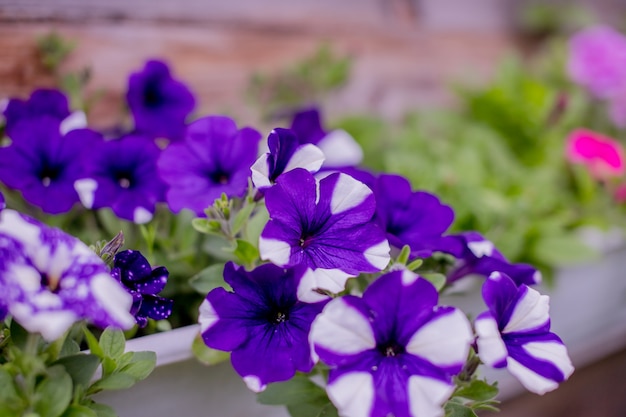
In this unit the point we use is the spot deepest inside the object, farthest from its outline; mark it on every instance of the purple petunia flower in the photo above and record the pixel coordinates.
(515, 333)
(43, 102)
(122, 174)
(477, 255)
(43, 164)
(133, 270)
(49, 280)
(392, 352)
(598, 61)
(325, 225)
(159, 103)
(285, 154)
(414, 218)
(339, 148)
(214, 158)
(263, 322)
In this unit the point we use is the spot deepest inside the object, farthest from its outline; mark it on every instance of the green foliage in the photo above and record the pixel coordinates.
(302, 397)
(207, 355)
(309, 80)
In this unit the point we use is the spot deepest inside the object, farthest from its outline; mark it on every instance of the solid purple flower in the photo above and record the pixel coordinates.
(49, 280)
(393, 351)
(214, 158)
(479, 256)
(122, 174)
(43, 102)
(262, 321)
(339, 148)
(285, 154)
(414, 218)
(143, 282)
(515, 333)
(43, 164)
(325, 225)
(598, 61)
(159, 103)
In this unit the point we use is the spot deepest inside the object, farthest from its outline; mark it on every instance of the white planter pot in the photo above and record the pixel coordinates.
(588, 311)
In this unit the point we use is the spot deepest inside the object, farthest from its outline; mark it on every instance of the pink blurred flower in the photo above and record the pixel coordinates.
(598, 61)
(603, 156)
(620, 193)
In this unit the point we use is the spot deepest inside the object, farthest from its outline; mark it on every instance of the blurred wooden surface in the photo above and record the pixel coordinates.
(598, 390)
(403, 55)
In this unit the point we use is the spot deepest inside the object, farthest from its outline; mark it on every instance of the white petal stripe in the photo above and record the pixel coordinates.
(307, 156)
(274, 250)
(341, 149)
(444, 340)
(333, 280)
(348, 193)
(532, 311)
(491, 347)
(426, 396)
(553, 352)
(207, 317)
(352, 394)
(378, 255)
(532, 381)
(342, 329)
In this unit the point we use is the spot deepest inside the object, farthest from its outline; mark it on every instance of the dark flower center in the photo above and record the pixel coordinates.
(390, 349)
(49, 173)
(306, 240)
(48, 282)
(219, 177)
(124, 179)
(280, 317)
(152, 96)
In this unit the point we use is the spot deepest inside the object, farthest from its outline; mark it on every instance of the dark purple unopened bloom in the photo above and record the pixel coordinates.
(159, 103)
(43, 164)
(43, 102)
(122, 174)
(515, 333)
(214, 158)
(393, 351)
(414, 218)
(133, 270)
(325, 225)
(263, 323)
(49, 280)
(339, 148)
(477, 255)
(285, 154)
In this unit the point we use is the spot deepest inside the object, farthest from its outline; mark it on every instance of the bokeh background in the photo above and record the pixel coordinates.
(246, 58)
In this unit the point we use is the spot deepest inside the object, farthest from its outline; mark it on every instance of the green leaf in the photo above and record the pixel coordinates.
(141, 365)
(438, 280)
(10, 402)
(207, 355)
(242, 217)
(246, 252)
(112, 342)
(93, 344)
(208, 279)
(477, 390)
(54, 393)
(80, 367)
(297, 390)
(19, 335)
(312, 410)
(562, 250)
(114, 381)
(103, 410)
(458, 410)
(70, 347)
(207, 226)
(76, 410)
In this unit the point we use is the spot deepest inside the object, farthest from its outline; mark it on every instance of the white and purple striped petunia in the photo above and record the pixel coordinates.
(263, 322)
(285, 154)
(393, 351)
(479, 256)
(49, 280)
(515, 333)
(325, 225)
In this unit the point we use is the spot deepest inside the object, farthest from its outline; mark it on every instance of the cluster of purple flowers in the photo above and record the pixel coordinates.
(392, 350)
